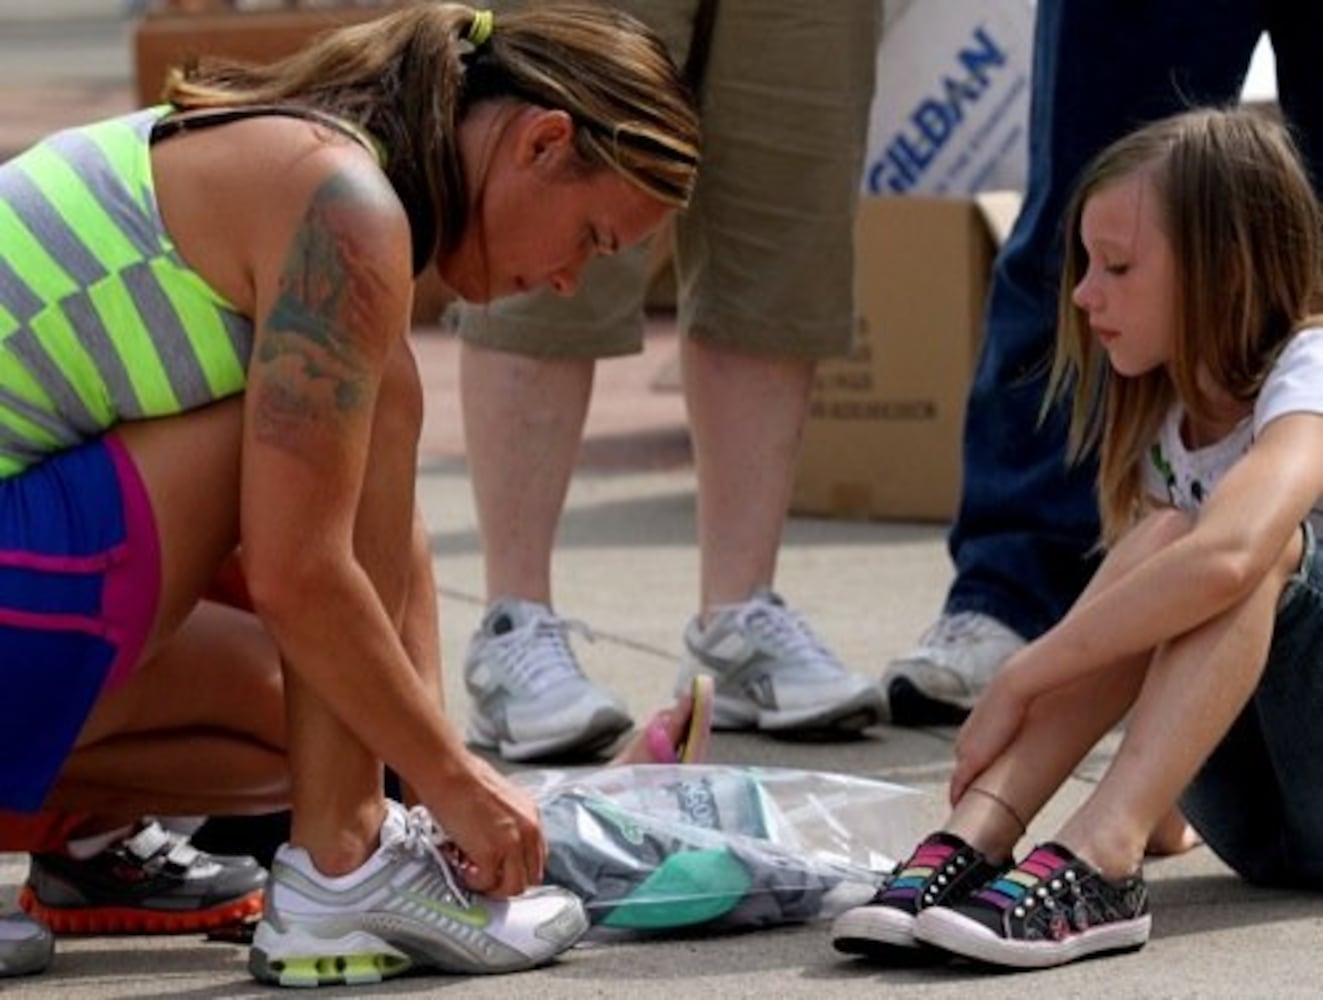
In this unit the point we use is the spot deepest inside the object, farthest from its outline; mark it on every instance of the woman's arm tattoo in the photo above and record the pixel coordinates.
(313, 365)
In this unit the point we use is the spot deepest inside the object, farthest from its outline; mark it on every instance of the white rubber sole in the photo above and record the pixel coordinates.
(590, 740)
(873, 928)
(864, 708)
(949, 930)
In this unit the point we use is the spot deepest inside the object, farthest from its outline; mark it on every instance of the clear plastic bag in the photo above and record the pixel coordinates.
(668, 847)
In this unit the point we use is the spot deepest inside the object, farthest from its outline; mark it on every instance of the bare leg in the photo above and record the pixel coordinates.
(336, 794)
(1194, 690)
(199, 728)
(205, 667)
(1173, 835)
(1058, 731)
(523, 421)
(1060, 728)
(338, 803)
(747, 414)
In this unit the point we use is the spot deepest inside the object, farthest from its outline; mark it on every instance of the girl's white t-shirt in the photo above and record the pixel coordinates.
(1184, 478)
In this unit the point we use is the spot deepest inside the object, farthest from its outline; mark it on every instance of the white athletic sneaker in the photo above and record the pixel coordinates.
(938, 681)
(26, 946)
(773, 673)
(528, 696)
(402, 909)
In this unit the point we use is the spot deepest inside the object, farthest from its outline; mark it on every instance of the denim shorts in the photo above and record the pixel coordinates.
(79, 581)
(1258, 800)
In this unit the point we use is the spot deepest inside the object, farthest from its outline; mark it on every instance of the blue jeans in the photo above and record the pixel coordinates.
(1023, 539)
(1256, 801)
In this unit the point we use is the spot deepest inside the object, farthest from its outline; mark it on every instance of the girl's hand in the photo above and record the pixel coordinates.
(989, 730)
(496, 827)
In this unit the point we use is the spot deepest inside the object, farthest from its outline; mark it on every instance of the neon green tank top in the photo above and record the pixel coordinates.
(101, 320)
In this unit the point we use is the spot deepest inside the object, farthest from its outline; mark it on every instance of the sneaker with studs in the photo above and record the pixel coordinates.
(1050, 909)
(942, 870)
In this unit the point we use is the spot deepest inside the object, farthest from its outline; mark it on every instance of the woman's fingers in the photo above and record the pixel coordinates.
(510, 862)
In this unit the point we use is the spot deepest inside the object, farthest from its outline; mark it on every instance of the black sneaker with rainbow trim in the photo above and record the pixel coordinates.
(1050, 909)
(942, 870)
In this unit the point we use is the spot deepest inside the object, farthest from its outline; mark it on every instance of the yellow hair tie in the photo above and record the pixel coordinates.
(481, 27)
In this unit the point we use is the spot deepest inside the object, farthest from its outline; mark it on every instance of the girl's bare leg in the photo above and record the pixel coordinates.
(1058, 731)
(1194, 690)
(1173, 835)
(1060, 728)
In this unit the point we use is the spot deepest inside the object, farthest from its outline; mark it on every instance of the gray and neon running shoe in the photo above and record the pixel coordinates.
(403, 909)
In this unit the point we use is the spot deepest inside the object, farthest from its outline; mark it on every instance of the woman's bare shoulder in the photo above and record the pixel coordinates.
(235, 196)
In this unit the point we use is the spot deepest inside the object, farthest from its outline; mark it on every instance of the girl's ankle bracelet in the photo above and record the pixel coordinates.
(1009, 809)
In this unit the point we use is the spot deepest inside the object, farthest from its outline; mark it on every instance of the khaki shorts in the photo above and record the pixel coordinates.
(765, 252)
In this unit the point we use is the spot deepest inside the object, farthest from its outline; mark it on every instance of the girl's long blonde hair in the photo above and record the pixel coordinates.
(1243, 222)
(409, 77)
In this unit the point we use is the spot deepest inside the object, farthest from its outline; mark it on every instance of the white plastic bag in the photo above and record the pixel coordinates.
(665, 847)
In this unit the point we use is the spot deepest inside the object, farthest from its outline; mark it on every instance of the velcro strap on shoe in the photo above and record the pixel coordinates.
(183, 854)
(154, 841)
(148, 842)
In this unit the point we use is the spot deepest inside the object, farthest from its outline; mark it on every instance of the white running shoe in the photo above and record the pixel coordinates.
(26, 946)
(402, 909)
(528, 696)
(938, 681)
(773, 673)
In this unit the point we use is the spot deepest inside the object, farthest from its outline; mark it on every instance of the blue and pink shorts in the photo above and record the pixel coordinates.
(80, 577)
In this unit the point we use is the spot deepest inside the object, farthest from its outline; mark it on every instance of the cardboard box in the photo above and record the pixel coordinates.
(163, 40)
(951, 108)
(885, 423)
(948, 130)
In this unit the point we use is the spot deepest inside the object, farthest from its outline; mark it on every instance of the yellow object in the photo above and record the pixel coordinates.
(481, 28)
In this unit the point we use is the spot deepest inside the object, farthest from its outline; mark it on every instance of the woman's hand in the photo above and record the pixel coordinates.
(495, 825)
(989, 730)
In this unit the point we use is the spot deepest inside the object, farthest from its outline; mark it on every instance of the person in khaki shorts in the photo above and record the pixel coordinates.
(765, 258)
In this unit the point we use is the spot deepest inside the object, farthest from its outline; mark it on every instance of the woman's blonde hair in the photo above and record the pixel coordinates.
(409, 77)
(1237, 207)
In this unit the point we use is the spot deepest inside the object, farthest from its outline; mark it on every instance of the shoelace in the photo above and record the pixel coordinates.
(787, 633)
(423, 837)
(545, 658)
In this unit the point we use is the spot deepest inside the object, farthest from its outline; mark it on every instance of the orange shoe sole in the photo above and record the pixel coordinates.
(132, 920)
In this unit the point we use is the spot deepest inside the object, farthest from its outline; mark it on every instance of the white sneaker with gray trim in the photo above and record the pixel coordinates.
(26, 946)
(528, 696)
(938, 681)
(773, 673)
(402, 909)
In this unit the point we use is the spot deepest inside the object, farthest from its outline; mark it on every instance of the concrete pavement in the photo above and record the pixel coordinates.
(627, 563)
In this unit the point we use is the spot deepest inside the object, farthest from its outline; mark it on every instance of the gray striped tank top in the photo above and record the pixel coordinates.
(101, 320)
